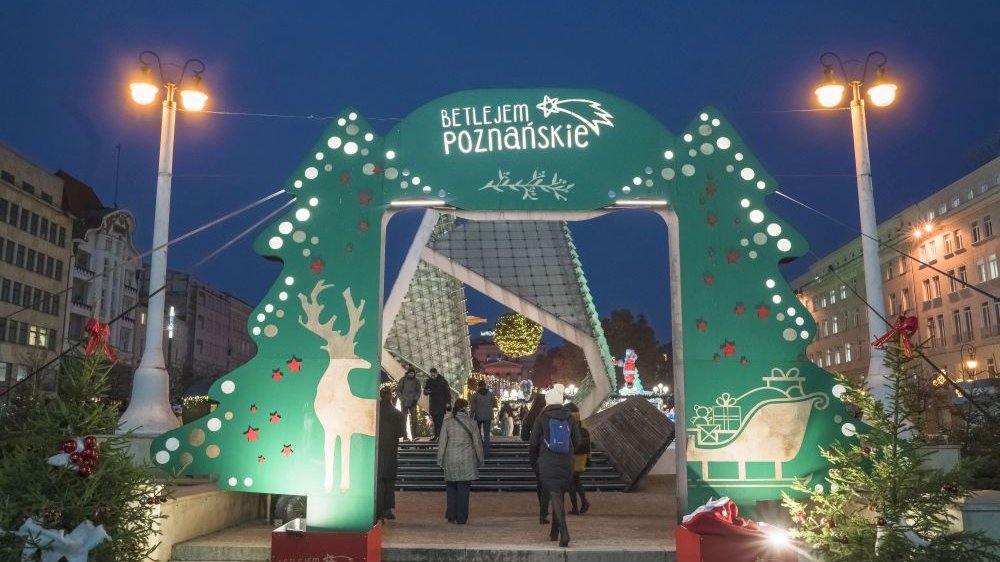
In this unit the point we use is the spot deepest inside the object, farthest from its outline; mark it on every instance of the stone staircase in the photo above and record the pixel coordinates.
(507, 469)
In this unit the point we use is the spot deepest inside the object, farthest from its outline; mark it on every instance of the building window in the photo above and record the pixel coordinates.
(931, 250)
(888, 269)
(843, 291)
(833, 297)
(847, 353)
(952, 281)
(906, 300)
(927, 290)
(822, 302)
(8, 177)
(976, 233)
(940, 328)
(948, 250)
(956, 202)
(936, 286)
(963, 276)
(893, 303)
(987, 318)
(828, 358)
(931, 332)
(981, 269)
(921, 253)
(836, 357)
(956, 318)
(991, 266)
(987, 226)
(836, 324)
(958, 241)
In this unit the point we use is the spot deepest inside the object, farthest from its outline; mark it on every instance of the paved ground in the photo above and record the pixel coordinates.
(502, 526)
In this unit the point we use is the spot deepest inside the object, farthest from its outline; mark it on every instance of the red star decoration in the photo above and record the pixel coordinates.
(363, 226)
(261, 458)
(740, 309)
(378, 169)
(345, 178)
(317, 266)
(253, 408)
(728, 348)
(364, 198)
(276, 374)
(251, 434)
(732, 256)
(294, 364)
(701, 325)
(709, 279)
(711, 219)
(275, 417)
(762, 311)
(287, 450)
(710, 189)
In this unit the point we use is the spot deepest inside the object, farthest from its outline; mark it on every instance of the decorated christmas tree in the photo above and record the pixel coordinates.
(880, 501)
(69, 483)
(299, 418)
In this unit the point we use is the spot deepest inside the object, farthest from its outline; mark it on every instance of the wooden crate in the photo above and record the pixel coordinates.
(633, 434)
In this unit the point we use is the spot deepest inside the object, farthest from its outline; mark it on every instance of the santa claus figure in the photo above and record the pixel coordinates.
(627, 364)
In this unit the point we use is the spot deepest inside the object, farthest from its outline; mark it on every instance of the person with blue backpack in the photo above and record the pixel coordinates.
(554, 439)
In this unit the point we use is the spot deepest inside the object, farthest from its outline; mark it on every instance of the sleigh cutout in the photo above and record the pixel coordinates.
(765, 425)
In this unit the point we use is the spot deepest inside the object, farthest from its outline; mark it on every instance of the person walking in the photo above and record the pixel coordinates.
(527, 423)
(581, 459)
(460, 454)
(507, 418)
(554, 437)
(481, 408)
(391, 427)
(408, 390)
(439, 398)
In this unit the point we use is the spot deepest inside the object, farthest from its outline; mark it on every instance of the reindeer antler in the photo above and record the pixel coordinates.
(338, 344)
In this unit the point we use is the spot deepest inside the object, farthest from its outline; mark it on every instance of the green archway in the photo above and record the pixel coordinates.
(299, 418)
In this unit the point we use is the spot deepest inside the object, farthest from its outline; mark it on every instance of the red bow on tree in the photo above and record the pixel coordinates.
(99, 340)
(904, 328)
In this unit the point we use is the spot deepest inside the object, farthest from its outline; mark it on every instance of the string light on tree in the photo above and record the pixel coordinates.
(516, 335)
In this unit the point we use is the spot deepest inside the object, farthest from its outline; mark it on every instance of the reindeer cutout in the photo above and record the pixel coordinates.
(341, 413)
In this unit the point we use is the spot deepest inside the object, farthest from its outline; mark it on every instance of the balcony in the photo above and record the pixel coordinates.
(991, 331)
(131, 291)
(83, 308)
(964, 337)
(81, 271)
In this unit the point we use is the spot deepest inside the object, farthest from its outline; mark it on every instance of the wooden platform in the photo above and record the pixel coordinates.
(637, 526)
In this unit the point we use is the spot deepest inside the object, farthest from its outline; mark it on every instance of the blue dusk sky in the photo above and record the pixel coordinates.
(65, 104)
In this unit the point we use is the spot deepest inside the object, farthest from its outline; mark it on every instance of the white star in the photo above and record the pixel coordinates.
(549, 106)
(329, 558)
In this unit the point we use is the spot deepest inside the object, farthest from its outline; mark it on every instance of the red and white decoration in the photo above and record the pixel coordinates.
(78, 454)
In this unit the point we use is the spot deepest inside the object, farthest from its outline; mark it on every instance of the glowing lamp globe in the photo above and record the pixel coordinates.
(193, 98)
(143, 93)
(882, 94)
(516, 336)
(830, 94)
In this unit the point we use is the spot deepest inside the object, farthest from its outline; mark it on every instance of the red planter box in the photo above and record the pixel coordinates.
(292, 543)
(692, 547)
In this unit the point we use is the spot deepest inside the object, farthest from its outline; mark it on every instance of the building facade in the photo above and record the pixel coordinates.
(106, 269)
(206, 333)
(938, 263)
(34, 257)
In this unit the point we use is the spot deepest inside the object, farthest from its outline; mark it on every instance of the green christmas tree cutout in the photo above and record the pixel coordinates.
(757, 411)
(299, 418)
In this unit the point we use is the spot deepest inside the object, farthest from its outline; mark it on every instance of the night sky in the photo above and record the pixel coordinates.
(64, 102)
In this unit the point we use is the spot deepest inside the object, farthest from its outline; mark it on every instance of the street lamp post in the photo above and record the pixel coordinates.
(882, 93)
(149, 411)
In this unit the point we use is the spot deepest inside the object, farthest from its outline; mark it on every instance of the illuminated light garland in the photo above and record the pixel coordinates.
(517, 336)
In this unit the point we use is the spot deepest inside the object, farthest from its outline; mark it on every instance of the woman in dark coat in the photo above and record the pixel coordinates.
(391, 428)
(554, 469)
(527, 423)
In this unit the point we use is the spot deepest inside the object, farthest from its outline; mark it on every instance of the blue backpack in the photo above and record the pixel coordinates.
(560, 439)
